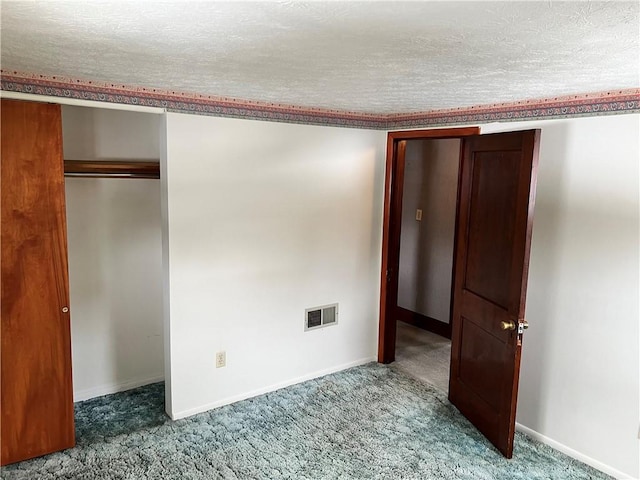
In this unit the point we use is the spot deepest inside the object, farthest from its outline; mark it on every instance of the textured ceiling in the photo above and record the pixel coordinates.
(378, 57)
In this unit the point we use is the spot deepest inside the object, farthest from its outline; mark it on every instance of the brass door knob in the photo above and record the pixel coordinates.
(510, 325)
(525, 324)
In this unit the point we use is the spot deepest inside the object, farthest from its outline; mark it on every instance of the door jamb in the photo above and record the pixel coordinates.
(387, 326)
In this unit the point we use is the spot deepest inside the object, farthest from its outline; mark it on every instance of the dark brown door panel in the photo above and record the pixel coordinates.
(497, 193)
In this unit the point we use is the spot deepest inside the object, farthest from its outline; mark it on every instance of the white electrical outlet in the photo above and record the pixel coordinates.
(221, 359)
(418, 215)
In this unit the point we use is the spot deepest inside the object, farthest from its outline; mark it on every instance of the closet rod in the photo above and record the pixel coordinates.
(111, 169)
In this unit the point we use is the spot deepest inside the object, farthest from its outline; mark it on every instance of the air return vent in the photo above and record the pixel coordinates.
(319, 317)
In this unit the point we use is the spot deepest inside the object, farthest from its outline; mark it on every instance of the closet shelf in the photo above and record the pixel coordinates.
(112, 168)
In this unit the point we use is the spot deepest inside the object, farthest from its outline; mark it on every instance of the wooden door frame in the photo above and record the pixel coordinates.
(392, 188)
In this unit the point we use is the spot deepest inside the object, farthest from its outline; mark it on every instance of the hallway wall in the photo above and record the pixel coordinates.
(426, 246)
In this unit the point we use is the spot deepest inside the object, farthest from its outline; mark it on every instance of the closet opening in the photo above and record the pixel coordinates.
(114, 236)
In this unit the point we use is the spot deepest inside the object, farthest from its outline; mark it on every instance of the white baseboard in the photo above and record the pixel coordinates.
(110, 388)
(270, 388)
(574, 454)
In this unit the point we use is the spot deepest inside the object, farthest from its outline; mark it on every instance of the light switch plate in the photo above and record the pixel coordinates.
(418, 215)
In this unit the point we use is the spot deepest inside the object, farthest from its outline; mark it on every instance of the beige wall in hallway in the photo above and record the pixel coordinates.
(426, 246)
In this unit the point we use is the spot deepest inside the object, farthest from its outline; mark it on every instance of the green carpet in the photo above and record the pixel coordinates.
(368, 422)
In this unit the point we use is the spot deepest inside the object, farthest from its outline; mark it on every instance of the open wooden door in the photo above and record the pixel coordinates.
(497, 194)
(36, 406)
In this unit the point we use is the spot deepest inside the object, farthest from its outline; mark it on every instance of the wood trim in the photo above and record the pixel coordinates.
(435, 133)
(385, 354)
(455, 237)
(112, 168)
(392, 188)
(533, 183)
(425, 323)
(392, 260)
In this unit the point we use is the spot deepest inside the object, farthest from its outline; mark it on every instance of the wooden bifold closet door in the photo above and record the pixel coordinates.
(36, 400)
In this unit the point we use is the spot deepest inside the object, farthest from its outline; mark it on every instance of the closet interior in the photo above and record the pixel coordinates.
(99, 330)
(114, 248)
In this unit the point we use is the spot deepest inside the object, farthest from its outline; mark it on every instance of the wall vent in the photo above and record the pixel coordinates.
(319, 317)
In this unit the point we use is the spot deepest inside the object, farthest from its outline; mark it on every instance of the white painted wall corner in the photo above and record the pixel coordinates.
(603, 467)
(108, 389)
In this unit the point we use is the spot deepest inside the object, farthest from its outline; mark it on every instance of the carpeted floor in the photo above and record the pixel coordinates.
(423, 355)
(369, 422)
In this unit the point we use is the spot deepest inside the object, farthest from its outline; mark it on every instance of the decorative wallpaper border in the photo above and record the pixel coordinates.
(174, 101)
(603, 103)
(591, 104)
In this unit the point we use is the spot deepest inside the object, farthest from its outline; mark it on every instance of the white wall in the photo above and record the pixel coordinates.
(265, 220)
(426, 246)
(579, 382)
(114, 239)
